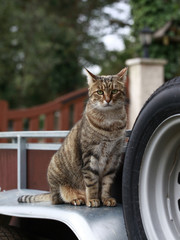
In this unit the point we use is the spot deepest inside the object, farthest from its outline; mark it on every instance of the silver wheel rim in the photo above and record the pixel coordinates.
(159, 182)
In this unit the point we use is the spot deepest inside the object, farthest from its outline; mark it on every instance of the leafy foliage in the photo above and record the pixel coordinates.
(45, 44)
(155, 14)
(115, 60)
(152, 14)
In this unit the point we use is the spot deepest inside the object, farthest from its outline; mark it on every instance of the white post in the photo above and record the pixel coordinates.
(145, 76)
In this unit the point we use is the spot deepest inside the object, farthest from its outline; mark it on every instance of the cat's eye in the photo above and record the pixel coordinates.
(100, 92)
(114, 91)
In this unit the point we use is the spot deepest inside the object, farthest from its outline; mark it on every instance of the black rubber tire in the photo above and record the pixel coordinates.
(163, 103)
(11, 233)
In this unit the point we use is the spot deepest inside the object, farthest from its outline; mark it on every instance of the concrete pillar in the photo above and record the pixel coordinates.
(145, 76)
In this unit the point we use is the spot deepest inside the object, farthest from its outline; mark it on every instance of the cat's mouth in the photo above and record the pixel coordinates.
(107, 105)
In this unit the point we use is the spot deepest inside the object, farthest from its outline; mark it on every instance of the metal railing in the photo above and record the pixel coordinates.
(19, 143)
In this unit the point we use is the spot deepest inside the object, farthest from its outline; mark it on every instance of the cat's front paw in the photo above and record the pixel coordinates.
(93, 203)
(78, 202)
(109, 202)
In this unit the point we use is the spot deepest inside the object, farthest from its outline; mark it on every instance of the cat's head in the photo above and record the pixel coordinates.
(107, 92)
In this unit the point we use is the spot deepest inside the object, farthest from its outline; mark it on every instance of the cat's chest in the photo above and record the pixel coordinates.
(105, 148)
(106, 152)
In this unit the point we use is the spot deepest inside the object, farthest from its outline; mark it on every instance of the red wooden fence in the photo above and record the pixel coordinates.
(59, 114)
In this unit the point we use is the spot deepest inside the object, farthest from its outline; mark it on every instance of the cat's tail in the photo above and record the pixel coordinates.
(45, 197)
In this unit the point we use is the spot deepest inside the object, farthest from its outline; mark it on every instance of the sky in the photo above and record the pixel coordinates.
(120, 11)
(113, 41)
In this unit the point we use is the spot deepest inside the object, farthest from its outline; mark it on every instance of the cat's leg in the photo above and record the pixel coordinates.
(55, 196)
(91, 179)
(74, 196)
(92, 196)
(106, 198)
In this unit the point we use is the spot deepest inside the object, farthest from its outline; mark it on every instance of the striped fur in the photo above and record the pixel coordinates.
(46, 197)
(83, 169)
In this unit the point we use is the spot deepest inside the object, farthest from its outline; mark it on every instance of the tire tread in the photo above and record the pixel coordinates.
(171, 83)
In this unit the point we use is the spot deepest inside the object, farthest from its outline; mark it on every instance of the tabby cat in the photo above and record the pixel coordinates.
(83, 169)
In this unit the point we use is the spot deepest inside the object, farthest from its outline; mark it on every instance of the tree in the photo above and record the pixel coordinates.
(155, 14)
(152, 14)
(7, 52)
(115, 60)
(45, 44)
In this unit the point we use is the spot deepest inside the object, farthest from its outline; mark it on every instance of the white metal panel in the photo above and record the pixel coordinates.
(103, 223)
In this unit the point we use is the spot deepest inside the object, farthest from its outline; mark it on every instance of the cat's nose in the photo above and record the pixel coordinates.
(108, 99)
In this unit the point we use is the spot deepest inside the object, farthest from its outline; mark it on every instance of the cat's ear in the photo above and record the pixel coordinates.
(122, 75)
(91, 78)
